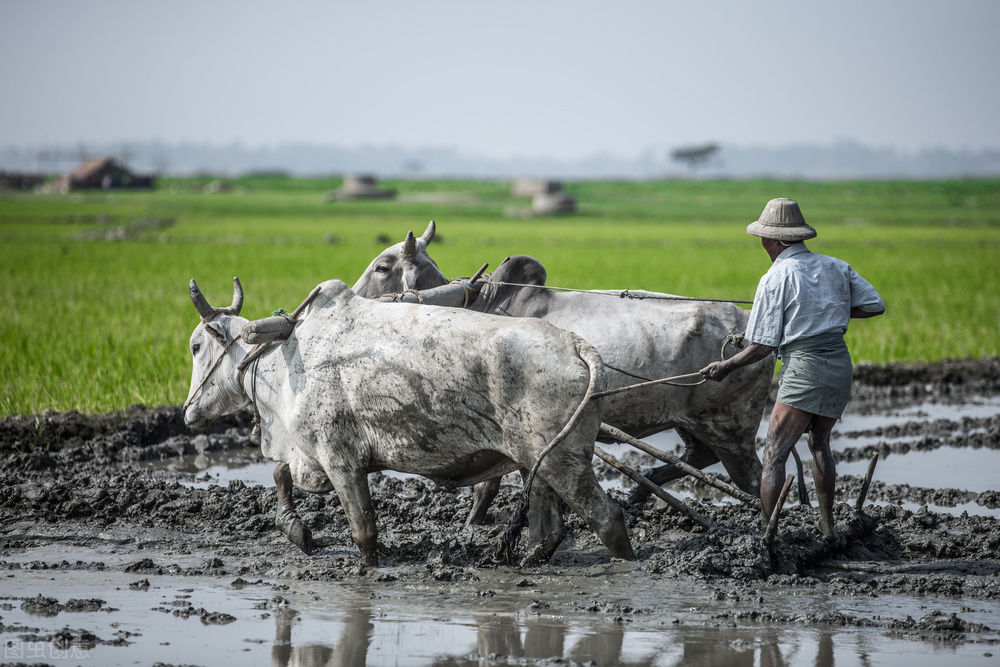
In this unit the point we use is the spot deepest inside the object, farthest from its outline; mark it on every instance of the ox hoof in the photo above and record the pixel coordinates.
(541, 552)
(637, 497)
(297, 532)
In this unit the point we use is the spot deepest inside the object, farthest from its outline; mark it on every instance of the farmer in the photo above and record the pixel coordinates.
(801, 311)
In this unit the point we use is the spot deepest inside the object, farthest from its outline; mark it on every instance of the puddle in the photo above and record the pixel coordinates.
(203, 470)
(962, 468)
(974, 407)
(287, 622)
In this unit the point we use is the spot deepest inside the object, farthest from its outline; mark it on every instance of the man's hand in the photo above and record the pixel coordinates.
(717, 371)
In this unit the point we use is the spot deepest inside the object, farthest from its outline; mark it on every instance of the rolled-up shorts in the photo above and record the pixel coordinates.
(816, 375)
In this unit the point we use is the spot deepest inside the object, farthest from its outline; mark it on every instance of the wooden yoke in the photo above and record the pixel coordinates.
(270, 329)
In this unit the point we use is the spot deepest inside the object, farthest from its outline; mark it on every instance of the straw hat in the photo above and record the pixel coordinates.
(781, 220)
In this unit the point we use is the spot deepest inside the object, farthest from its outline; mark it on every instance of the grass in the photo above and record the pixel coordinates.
(96, 325)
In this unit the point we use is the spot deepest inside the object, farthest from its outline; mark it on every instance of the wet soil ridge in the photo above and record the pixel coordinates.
(948, 381)
(934, 626)
(71, 479)
(983, 374)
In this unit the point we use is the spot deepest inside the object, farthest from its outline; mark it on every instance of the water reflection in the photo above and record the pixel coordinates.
(768, 650)
(542, 638)
(351, 650)
(504, 637)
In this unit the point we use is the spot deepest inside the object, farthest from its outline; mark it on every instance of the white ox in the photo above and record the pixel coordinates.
(638, 340)
(360, 386)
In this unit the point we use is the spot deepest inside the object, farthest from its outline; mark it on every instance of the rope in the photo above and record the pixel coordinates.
(208, 374)
(624, 372)
(397, 298)
(253, 398)
(624, 294)
(468, 290)
(736, 340)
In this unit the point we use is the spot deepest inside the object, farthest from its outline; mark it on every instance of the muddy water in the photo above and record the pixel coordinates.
(133, 541)
(502, 618)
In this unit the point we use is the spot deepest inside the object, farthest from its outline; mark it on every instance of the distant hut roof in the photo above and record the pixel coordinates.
(544, 203)
(528, 187)
(101, 172)
(361, 186)
(93, 166)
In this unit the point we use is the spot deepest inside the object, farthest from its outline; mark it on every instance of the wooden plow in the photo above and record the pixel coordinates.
(771, 529)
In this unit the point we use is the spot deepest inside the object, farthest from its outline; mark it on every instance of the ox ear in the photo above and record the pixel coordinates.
(216, 331)
(409, 246)
(429, 232)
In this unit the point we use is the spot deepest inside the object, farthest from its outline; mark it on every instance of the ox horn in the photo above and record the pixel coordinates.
(409, 245)
(200, 302)
(429, 233)
(206, 311)
(237, 305)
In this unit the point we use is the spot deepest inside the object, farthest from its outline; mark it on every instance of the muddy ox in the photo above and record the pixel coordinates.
(640, 339)
(359, 386)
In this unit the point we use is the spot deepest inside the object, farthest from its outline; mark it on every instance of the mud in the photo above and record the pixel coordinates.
(80, 502)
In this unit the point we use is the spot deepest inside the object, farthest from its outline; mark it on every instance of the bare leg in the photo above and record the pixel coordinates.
(786, 426)
(285, 517)
(824, 472)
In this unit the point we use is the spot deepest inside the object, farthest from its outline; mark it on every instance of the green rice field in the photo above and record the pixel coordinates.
(95, 285)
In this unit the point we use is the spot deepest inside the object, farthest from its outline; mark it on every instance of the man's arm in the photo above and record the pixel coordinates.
(752, 354)
(860, 313)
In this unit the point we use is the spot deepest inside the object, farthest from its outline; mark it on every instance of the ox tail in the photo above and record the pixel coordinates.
(506, 550)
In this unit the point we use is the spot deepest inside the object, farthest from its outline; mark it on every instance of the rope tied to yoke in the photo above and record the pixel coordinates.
(623, 294)
(397, 298)
(734, 339)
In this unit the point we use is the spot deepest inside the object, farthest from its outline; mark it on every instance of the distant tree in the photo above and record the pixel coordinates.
(695, 156)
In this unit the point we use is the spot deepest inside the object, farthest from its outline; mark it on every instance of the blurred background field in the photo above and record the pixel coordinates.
(98, 313)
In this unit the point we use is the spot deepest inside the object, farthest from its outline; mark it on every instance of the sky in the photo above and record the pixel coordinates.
(558, 79)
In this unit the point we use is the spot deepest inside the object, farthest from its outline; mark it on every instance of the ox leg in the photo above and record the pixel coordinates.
(568, 470)
(285, 517)
(742, 463)
(695, 454)
(356, 499)
(485, 492)
(546, 527)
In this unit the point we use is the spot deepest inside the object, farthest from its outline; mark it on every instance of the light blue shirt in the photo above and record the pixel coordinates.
(805, 294)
